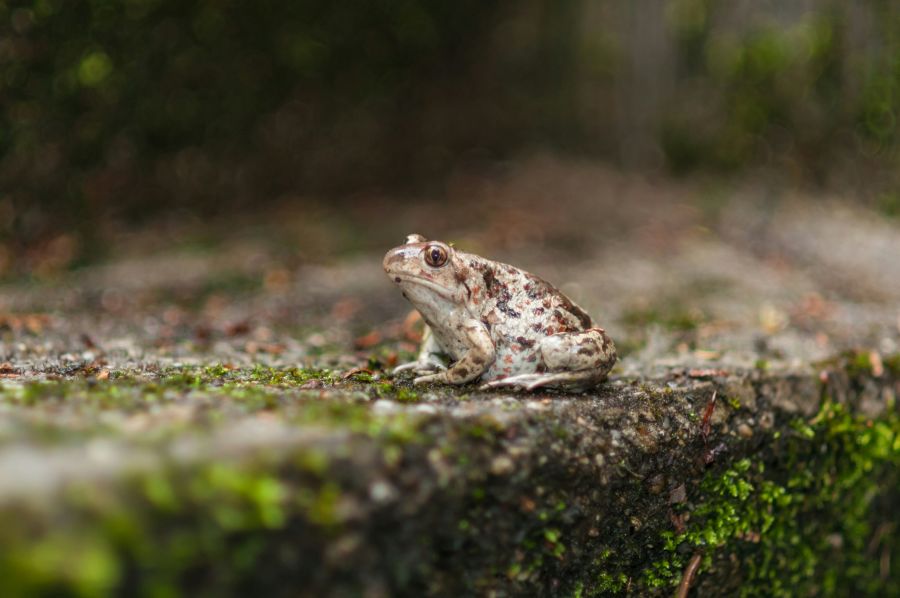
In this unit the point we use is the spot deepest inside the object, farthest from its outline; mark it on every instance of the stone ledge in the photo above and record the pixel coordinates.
(609, 493)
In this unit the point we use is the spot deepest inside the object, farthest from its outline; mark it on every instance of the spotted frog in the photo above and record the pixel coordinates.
(495, 323)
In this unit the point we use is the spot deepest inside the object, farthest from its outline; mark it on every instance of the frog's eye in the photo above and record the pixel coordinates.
(435, 256)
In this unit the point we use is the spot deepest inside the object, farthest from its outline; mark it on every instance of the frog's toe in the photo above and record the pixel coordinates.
(420, 367)
(541, 381)
(521, 382)
(439, 377)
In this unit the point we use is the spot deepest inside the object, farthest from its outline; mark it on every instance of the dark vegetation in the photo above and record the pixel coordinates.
(116, 112)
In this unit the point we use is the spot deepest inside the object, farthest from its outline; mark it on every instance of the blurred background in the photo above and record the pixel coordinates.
(195, 198)
(132, 115)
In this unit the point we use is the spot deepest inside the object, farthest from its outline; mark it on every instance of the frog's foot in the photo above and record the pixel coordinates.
(568, 380)
(524, 382)
(440, 377)
(422, 366)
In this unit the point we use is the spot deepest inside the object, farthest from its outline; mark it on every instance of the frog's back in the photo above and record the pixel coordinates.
(519, 309)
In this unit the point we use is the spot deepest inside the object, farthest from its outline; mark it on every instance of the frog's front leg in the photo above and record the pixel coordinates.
(572, 360)
(473, 364)
(431, 356)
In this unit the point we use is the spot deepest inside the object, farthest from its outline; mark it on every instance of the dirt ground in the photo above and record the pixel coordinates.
(668, 268)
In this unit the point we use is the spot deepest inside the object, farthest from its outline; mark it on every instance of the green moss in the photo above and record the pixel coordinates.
(218, 374)
(892, 364)
(553, 542)
(733, 402)
(483, 428)
(165, 523)
(862, 363)
(610, 583)
(76, 564)
(405, 395)
(320, 506)
(889, 204)
(783, 523)
(214, 393)
(859, 363)
(289, 376)
(240, 499)
(383, 389)
(159, 491)
(578, 592)
(362, 377)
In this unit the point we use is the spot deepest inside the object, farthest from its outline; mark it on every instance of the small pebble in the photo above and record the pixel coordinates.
(382, 406)
(502, 465)
(656, 484)
(382, 491)
(678, 495)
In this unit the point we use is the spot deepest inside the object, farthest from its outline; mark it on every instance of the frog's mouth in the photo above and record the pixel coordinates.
(423, 282)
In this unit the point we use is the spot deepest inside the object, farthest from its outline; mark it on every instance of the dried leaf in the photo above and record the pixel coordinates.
(706, 373)
(33, 323)
(368, 341)
(412, 327)
(202, 333)
(237, 328)
(812, 307)
(8, 371)
(678, 521)
(877, 364)
(87, 341)
(345, 309)
(271, 348)
(278, 279)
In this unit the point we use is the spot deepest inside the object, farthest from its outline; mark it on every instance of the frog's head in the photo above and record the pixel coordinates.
(425, 270)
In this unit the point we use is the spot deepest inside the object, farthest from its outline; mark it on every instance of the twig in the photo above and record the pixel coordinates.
(634, 473)
(688, 576)
(880, 532)
(705, 427)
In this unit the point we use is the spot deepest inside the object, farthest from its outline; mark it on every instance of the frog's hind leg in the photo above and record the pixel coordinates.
(522, 381)
(571, 360)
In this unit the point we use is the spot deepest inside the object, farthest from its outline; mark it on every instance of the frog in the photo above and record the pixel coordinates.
(491, 323)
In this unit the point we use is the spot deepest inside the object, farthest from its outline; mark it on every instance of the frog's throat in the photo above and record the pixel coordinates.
(429, 284)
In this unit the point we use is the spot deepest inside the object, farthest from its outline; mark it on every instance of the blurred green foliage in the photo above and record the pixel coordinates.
(116, 110)
(123, 107)
(811, 92)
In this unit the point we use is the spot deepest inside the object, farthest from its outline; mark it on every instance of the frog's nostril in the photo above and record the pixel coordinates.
(389, 260)
(396, 279)
(394, 259)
